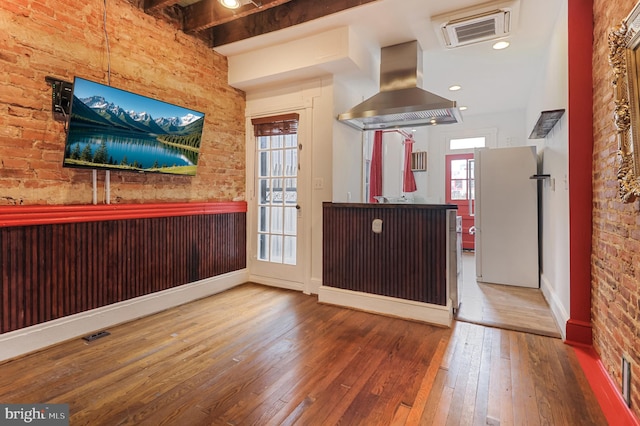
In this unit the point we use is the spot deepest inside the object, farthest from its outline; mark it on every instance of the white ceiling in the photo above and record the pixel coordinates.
(492, 81)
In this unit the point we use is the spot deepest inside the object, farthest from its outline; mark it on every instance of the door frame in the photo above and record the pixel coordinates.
(280, 275)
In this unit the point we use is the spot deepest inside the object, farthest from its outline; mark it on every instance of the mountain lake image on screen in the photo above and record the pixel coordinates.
(115, 129)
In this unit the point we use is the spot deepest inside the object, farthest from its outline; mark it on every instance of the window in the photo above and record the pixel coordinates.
(467, 143)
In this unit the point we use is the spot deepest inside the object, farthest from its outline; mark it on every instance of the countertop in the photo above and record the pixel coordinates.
(392, 206)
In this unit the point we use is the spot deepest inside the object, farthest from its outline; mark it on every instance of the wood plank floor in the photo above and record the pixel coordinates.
(503, 306)
(256, 355)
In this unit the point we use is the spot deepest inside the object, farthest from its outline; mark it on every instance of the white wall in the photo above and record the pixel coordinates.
(347, 160)
(551, 92)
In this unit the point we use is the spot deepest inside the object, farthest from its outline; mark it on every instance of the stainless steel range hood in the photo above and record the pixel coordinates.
(401, 102)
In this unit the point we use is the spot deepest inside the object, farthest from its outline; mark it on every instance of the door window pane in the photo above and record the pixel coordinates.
(290, 220)
(290, 250)
(458, 189)
(276, 163)
(276, 220)
(291, 191)
(291, 141)
(277, 141)
(459, 169)
(263, 164)
(276, 249)
(263, 142)
(263, 247)
(263, 219)
(291, 163)
(472, 189)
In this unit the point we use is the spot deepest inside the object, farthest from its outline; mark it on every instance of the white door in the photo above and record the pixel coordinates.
(275, 207)
(506, 216)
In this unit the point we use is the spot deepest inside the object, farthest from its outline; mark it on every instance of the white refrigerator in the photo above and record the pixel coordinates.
(506, 216)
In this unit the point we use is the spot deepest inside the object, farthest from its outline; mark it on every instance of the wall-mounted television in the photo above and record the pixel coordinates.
(115, 129)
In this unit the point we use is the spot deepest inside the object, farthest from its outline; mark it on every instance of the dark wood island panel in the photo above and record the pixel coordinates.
(406, 260)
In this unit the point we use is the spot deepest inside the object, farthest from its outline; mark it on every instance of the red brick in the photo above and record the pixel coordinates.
(616, 226)
(67, 40)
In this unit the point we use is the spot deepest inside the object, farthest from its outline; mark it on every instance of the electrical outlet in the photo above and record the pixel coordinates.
(626, 381)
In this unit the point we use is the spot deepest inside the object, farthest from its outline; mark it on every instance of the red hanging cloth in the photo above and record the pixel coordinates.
(408, 180)
(375, 171)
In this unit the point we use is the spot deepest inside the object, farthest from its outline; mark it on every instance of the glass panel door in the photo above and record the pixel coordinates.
(277, 183)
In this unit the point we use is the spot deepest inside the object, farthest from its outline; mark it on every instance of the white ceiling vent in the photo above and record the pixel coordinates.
(488, 21)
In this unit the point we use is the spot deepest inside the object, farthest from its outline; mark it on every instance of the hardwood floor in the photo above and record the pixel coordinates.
(503, 306)
(255, 355)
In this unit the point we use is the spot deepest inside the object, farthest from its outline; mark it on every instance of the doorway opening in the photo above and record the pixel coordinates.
(503, 306)
(460, 190)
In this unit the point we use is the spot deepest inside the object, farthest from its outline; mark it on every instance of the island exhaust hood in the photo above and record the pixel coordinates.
(401, 102)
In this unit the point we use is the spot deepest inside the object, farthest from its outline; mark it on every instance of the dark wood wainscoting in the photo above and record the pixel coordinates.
(407, 260)
(54, 270)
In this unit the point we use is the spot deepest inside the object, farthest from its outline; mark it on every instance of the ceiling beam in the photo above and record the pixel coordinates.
(152, 5)
(209, 13)
(286, 15)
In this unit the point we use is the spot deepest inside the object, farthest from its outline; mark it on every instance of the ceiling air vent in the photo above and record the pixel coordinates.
(488, 21)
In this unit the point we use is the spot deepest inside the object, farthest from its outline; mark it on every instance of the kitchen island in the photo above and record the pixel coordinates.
(395, 259)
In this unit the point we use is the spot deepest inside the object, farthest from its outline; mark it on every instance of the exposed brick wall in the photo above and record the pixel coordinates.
(616, 226)
(64, 38)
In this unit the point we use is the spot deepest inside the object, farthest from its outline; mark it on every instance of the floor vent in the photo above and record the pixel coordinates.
(485, 22)
(94, 336)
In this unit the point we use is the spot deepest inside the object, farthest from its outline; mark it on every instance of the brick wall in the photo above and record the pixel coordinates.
(616, 233)
(64, 38)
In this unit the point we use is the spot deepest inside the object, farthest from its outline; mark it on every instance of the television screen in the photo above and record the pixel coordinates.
(114, 129)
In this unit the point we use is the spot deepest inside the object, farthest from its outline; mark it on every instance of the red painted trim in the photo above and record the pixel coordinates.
(580, 117)
(43, 215)
(610, 399)
(578, 332)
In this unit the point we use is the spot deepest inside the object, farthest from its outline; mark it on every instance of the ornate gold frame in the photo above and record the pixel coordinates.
(624, 58)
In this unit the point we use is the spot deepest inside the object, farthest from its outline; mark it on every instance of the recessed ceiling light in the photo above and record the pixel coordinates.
(501, 45)
(454, 88)
(463, 108)
(230, 4)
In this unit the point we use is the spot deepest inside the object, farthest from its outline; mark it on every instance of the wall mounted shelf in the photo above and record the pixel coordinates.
(540, 177)
(545, 123)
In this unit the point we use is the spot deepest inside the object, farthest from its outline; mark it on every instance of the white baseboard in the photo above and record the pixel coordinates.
(279, 283)
(39, 336)
(315, 285)
(408, 309)
(557, 310)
